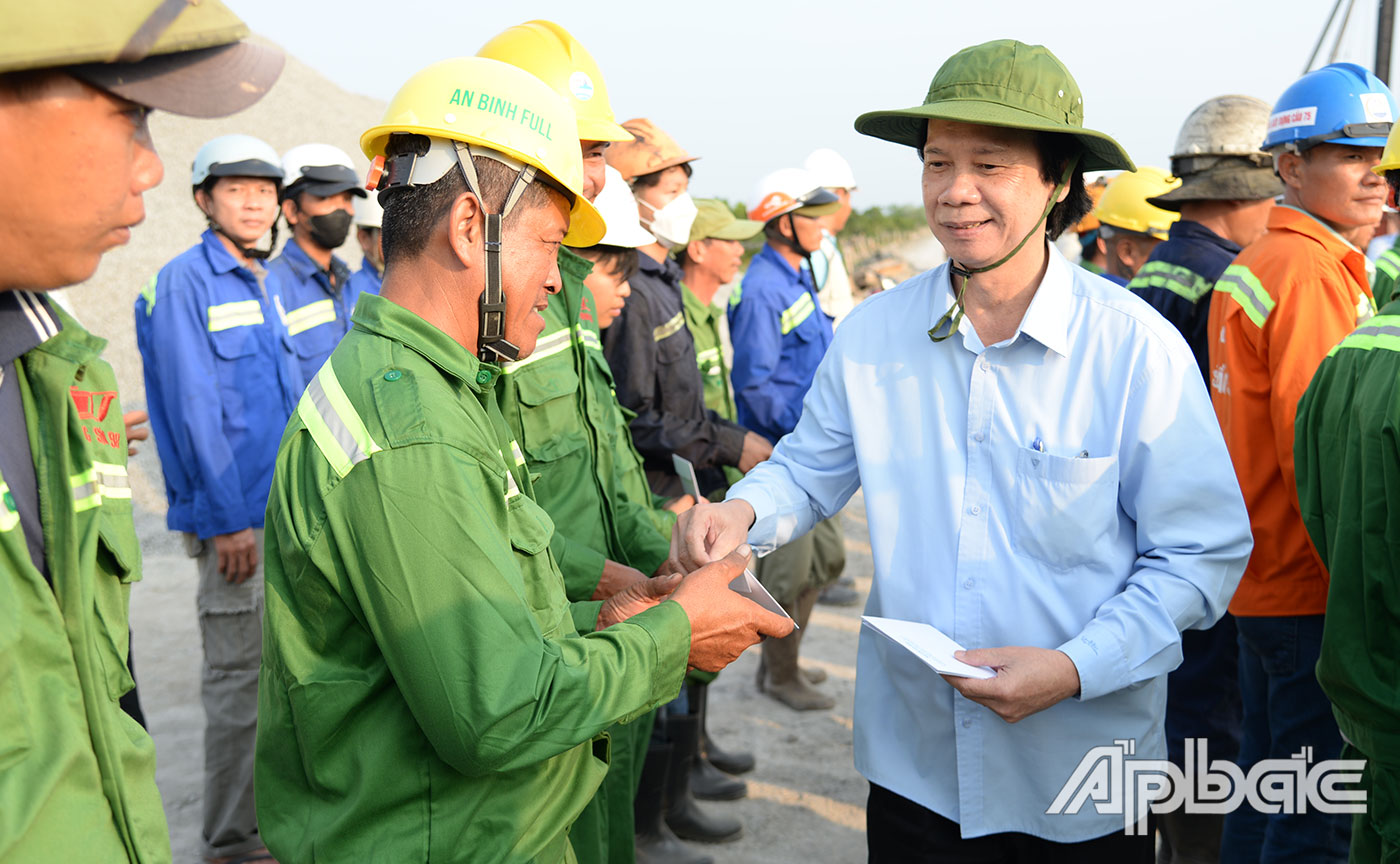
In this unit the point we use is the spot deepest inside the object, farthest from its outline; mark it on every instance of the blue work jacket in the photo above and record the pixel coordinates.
(221, 382)
(318, 304)
(1178, 278)
(366, 280)
(780, 334)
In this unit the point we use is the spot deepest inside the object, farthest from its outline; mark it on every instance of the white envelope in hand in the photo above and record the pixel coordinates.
(748, 585)
(927, 643)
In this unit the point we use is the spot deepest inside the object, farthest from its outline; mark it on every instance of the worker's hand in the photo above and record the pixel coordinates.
(1028, 680)
(723, 622)
(756, 449)
(637, 597)
(615, 578)
(708, 531)
(681, 504)
(238, 555)
(135, 431)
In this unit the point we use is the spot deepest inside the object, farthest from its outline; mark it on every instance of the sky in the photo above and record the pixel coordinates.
(754, 86)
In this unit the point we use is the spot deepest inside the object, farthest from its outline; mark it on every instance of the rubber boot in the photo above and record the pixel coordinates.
(1193, 838)
(656, 844)
(724, 760)
(683, 813)
(813, 674)
(707, 781)
(784, 681)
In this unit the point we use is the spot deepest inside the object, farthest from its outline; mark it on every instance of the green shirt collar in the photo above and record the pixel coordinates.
(388, 319)
(572, 265)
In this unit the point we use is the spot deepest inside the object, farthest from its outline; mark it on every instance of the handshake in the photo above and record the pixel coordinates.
(723, 623)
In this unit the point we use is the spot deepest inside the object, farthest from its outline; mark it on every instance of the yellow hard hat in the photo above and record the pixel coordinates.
(553, 55)
(500, 108)
(1124, 203)
(1390, 156)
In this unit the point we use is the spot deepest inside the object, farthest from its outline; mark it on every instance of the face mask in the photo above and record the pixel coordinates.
(329, 230)
(671, 224)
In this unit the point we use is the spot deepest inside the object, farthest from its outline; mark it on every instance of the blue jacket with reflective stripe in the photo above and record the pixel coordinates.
(780, 334)
(1194, 247)
(366, 280)
(221, 382)
(318, 314)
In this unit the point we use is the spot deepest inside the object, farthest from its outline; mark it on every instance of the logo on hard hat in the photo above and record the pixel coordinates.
(1377, 108)
(1300, 116)
(581, 86)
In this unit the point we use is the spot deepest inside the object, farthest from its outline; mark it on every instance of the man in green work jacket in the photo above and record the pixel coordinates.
(1348, 470)
(559, 404)
(426, 692)
(77, 81)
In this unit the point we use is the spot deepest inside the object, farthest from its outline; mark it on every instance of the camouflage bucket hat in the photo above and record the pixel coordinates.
(1003, 83)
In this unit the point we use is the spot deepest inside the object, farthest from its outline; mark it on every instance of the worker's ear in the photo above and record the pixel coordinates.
(465, 227)
(1290, 168)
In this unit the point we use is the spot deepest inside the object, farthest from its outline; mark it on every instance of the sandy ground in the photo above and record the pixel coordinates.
(806, 802)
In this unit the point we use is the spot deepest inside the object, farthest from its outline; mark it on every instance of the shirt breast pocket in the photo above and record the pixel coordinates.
(549, 410)
(530, 529)
(1063, 507)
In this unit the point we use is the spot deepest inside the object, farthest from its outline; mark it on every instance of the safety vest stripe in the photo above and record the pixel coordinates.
(311, 315)
(8, 518)
(86, 494)
(1389, 263)
(1184, 283)
(338, 431)
(512, 490)
(149, 292)
(112, 480)
(242, 313)
(1246, 290)
(588, 338)
(1382, 332)
(546, 347)
(516, 453)
(707, 357)
(798, 312)
(661, 331)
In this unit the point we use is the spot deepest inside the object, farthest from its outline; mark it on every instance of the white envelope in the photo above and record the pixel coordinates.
(747, 584)
(927, 643)
(685, 469)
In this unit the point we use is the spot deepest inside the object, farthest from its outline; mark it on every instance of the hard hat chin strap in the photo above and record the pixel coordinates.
(492, 346)
(249, 252)
(953, 317)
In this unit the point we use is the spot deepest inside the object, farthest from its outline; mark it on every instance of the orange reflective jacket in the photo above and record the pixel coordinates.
(1275, 313)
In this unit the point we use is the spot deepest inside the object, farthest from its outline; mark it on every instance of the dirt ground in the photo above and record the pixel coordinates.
(806, 802)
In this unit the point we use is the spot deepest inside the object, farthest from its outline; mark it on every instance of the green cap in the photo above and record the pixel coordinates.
(181, 56)
(715, 221)
(1003, 83)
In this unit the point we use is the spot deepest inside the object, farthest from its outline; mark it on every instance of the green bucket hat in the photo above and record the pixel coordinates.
(1003, 83)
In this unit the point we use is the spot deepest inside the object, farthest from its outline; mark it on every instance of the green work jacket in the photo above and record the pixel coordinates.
(425, 693)
(1348, 469)
(77, 775)
(702, 319)
(559, 402)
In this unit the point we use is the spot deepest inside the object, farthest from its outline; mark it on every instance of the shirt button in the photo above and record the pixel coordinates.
(393, 375)
(483, 377)
(984, 364)
(967, 583)
(976, 510)
(967, 722)
(977, 437)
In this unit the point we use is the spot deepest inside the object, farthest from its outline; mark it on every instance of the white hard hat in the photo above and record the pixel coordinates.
(830, 169)
(1224, 126)
(321, 169)
(619, 211)
(790, 190)
(235, 156)
(368, 213)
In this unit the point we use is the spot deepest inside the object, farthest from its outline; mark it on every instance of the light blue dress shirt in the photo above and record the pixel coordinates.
(1067, 488)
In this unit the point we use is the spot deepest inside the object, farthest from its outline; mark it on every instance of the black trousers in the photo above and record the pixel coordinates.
(898, 831)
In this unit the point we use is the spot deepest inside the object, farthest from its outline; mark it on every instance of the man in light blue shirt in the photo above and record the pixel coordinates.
(1043, 476)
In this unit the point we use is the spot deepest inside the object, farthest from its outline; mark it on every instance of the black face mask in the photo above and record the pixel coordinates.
(329, 230)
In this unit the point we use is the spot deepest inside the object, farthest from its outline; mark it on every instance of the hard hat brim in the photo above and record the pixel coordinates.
(593, 129)
(907, 126)
(739, 229)
(1247, 184)
(586, 225)
(325, 190)
(205, 83)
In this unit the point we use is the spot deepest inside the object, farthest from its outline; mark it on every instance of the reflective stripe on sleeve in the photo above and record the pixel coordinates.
(1382, 332)
(338, 431)
(311, 315)
(661, 331)
(545, 346)
(587, 338)
(798, 312)
(1186, 284)
(1245, 289)
(243, 313)
(9, 517)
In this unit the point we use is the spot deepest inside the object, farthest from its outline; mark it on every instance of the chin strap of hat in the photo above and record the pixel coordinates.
(953, 317)
(492, 346)
(249, 252)
(796, 246)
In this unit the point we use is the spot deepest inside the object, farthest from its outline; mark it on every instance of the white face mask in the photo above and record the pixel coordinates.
(671, 224)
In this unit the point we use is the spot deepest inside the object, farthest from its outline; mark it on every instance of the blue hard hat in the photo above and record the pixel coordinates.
(1341, 103)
